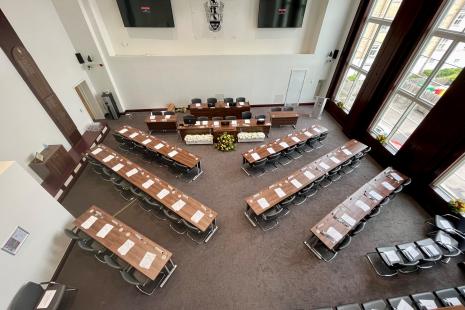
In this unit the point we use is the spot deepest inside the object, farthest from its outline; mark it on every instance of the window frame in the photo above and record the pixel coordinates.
(437, 184)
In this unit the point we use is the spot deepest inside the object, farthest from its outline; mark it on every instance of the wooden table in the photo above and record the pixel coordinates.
(216, 129)
(161, 122)
(220, 109)
(268, 197)
(162, 147)
(56, 162)
(356, 207)
(172, 198)
(282, 143)
(93, 221)
(282, 118)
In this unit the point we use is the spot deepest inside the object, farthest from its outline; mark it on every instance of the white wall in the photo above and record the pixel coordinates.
(38, 26)
(25, 203)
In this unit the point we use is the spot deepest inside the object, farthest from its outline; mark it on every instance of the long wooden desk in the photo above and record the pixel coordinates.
(269, 197)
(341, 220)
(282, 143)
(220, 109)
(132, 247)
(216, 129)
(172, 198)
(161, 122)
(282, 118)
(162, 147)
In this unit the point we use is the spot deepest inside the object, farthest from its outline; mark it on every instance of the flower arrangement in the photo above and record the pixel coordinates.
(340, 105)
(250, 136)
(381, 138)
(226, 143)
(458, 205)
(199, 139)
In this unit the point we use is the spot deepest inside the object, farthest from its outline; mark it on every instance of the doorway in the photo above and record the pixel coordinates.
(89, 101)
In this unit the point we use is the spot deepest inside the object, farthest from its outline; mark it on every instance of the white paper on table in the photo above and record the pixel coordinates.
(403, 305)
(241, 103)
(234, 122)
(255, 156)
(147, 260)
(270, 150)
(198, 104)
(96, 151)
(132, 172)
(297, 140)
(296, 183)
(46, 299)
(178, 205)
(454, 301)
(133, 135)
(308, 134)
(163, 193)
(317, 130)
(388, 186)
(348, 219)
(392, 256)
(347, 152)
(127, 245)
(197, 216)
(324, 166)
(204, 122)
(432, 249)
(172, 153)
(216, 123)
(334, 234)
(159, 146)
(284, 144)
(247, 121)
(117, 167)
(146, 141)
(362, 205)
(279, 192)
(412, 251)
(263, 203)
(147, 184)
(108, 158)
(123, 130)
(167, 116)
(89, 222)
(396, 176)
(335, 160)
(103, 232)
(197, 123)
(152, 117)
(428, 303)
(445, 224)
(309, 175)
(375, 195)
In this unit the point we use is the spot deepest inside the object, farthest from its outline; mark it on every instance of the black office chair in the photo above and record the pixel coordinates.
(217, 118)
(319, 141)
(305, 193)
(349, 307)
(123, 143)
(272, 160)
(93, 247)
(169, 113)
(246, 115)
(278, 109)
(301, 147)
(269, 219)
(257, 168)
(153, 113)
(230, 118)
(124, 187)
(260, 116)
(450, 297)
(448, 223)
(346, 167)
(108, 174)
(228, 100)
(114, 262)
(288, 109)
(412, 257)
(183, 171)
(31, 294)
(76, 234)
(240, 99)
(394, 302)
(202, 118)
(358, 229)
(334, 174)
(379, 304)
(310, 144)
(386, 261)
(431, 251)
(426, 300)
(195, 234)
(146, 154)
(449, 246)
(176, 222)
(156, 208)
(211, 102)
(96, 165)
(140, 281)
(320, 250)
(188, 119)
(288, 152)
(196, 100)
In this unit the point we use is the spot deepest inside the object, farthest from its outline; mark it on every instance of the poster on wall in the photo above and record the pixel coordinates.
(15, 241)
(214, 12)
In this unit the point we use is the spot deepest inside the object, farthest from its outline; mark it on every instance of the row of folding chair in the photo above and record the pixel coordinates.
(285, 157)
(149, 156)
(448, 297)
(451, 224)
(105, 256)
(270, 218)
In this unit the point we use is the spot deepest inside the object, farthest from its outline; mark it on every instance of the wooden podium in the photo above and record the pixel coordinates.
(56, 162)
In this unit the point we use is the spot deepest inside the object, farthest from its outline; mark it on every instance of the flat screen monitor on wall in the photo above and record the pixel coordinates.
(146, 13)
(281, 13)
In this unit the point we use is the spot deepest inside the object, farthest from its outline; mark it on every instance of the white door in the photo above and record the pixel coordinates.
(294, 87)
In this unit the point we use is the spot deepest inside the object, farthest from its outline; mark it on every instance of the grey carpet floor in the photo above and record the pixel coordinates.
(242, 267)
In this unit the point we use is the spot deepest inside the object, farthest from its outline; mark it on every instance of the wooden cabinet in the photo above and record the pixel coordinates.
(56, 162)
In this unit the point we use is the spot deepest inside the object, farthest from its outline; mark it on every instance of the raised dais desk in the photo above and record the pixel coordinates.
(220, 109)
(137, 250)
(161, 122)
(283, 118)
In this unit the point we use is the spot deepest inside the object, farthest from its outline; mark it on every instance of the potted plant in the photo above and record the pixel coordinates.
(340, 105)
(381, 138)
(457, 205)
(226, 143)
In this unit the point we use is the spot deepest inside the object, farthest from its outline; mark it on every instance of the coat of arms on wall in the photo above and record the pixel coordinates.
(214, 11)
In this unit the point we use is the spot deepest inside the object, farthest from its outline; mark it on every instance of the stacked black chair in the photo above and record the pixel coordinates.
(240, 99)
(228, 100)
(211, 102)
(196, 100)
(246, 115)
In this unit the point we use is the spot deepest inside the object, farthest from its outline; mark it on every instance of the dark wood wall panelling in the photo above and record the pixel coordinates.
(440, 139)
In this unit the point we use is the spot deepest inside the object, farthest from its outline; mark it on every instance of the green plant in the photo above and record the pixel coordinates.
(226, 143)
(381, 138)
(340, 105)
(458, 205)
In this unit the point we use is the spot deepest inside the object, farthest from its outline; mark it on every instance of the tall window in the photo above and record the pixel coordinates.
(374, 31)
(452, 184)
(428, 77)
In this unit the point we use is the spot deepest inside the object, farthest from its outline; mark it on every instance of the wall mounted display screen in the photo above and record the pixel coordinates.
(281, 13)
(146, 13)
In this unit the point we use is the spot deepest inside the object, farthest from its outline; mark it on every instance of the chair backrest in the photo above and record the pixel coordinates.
(276, 109)
(288, 109)
(27, 297)
(232, 104)
(118, 137)
(230, 118)
(189, 119)
(212, 100)
(261, 116)
(156, 113)
(196, 100)
(217, 118)
(229, 100)
(202, 118)
(246, 115)
(168, 113)
(71, 234)
(240, 99)
(129, 278)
